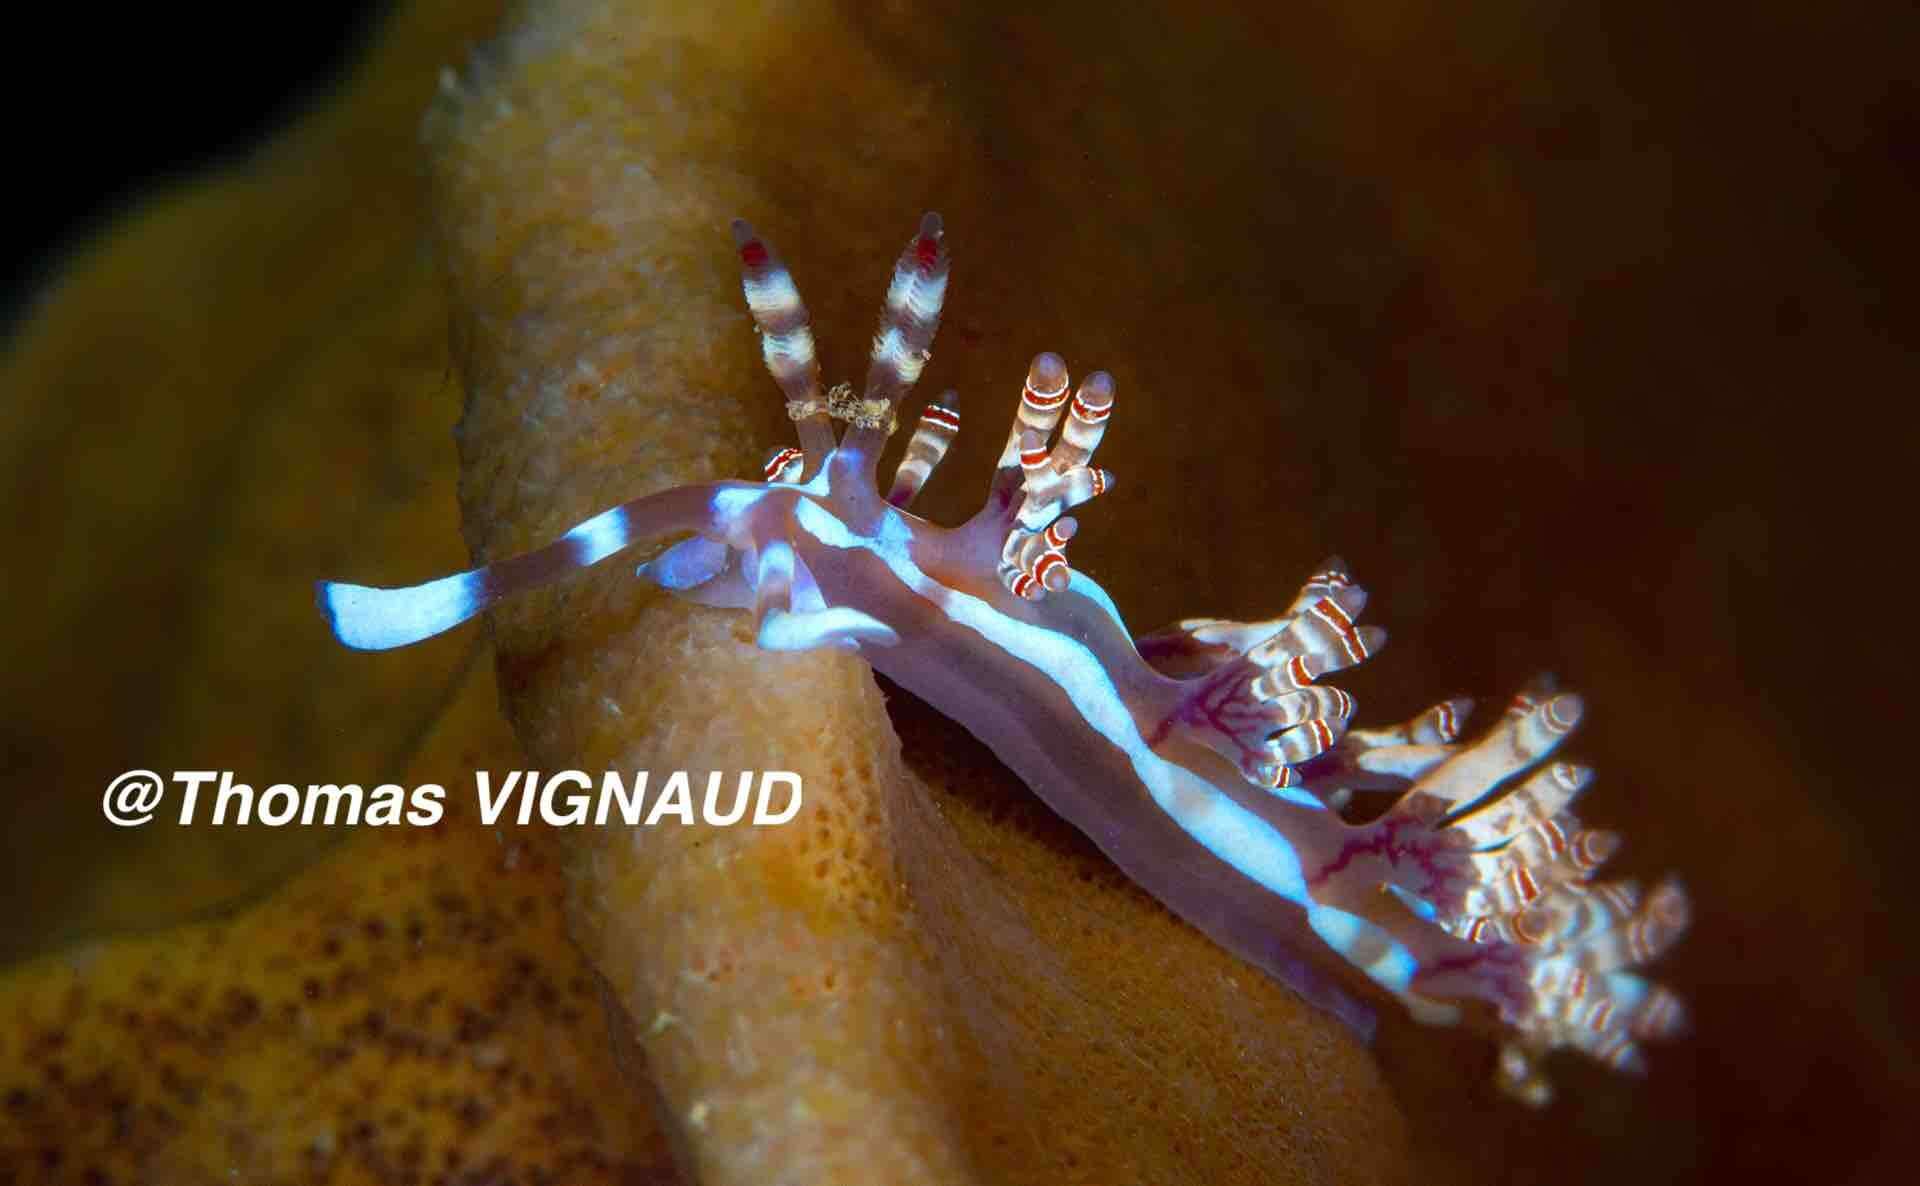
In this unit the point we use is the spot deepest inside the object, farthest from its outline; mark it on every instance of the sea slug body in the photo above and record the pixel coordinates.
(1207, 760)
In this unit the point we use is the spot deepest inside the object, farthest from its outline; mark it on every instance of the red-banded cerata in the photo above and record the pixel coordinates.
(1208, 760)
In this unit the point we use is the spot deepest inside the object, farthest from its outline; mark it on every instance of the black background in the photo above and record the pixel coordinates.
(105, 102)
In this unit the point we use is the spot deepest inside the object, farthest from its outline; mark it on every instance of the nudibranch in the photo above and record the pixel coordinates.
(1208, 760)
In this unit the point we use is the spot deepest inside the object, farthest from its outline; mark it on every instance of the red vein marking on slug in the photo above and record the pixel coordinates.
(1380, 841)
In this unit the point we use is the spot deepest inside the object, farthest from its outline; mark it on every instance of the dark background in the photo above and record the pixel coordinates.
(105, 105)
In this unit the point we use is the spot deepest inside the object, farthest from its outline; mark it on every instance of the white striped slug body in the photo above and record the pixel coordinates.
(1207, 760)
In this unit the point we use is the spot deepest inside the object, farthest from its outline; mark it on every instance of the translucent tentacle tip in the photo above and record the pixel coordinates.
(926, 242)
(1047, 374)
(753, 252)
